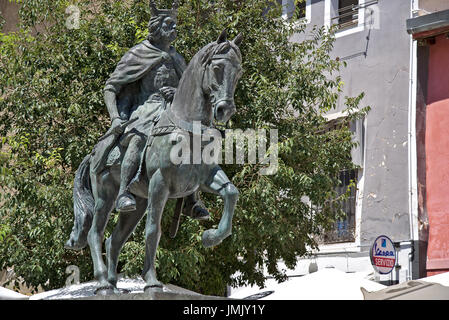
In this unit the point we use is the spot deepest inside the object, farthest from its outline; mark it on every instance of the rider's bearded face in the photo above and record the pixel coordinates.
(167, 32)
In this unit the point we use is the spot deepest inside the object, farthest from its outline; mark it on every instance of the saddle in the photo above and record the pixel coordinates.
(111, 148)
(102, 149)
(161, 127)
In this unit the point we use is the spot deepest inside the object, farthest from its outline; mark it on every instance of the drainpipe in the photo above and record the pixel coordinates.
(411, 257)
(412, 158)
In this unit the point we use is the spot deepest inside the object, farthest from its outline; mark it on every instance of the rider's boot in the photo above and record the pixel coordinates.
(194, 208)
(125, 200)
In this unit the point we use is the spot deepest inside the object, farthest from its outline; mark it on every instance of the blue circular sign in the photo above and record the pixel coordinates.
(383, 255)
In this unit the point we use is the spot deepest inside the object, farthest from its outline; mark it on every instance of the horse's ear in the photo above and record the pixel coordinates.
(238, 40)
(154, 10)
(223, 37)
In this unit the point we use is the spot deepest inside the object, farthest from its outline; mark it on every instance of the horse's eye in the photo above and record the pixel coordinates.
(218, 73)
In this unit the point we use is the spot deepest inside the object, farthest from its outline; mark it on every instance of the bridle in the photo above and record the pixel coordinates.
(214, 102)
(188, 126)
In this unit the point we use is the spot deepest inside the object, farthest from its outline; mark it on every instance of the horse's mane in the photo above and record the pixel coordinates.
(189, 94)
(204, 56)
(218, 48)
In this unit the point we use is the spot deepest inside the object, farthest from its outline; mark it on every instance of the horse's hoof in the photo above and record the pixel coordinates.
(200, 213)
(210, 238)
(196, 211)
(71, 244)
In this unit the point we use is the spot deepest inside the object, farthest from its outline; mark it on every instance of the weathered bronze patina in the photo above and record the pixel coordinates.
(154, 99)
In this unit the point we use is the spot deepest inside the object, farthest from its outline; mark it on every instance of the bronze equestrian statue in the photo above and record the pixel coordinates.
(153, 100)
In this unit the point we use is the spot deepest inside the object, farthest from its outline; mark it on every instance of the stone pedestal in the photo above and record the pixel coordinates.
(6, 294)
(86, 291)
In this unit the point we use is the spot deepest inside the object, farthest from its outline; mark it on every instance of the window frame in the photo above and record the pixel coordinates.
(355, 245)
(333, 236)
(329, 14)
(287, 4)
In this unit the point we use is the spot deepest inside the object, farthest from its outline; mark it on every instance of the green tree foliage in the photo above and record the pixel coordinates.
(52, 114)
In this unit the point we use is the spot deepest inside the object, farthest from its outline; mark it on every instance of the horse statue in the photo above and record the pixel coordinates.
(205, 92)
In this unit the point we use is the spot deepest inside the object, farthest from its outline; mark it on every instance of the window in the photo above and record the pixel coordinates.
(300, 9)
(344, 230)
(297, 9)
(347, 14)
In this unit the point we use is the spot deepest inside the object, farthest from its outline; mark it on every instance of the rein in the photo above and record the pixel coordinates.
(182, 124)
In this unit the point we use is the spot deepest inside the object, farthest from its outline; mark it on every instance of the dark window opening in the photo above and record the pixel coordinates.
(300, 9)
(344, 229)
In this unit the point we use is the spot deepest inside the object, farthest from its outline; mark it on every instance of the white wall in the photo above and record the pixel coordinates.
(433, 5)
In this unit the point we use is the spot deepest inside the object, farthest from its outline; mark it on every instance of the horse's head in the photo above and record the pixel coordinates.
(206, 88)
(222, 70)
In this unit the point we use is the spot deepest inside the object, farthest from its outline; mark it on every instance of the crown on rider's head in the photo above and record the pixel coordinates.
(159, 15)
(173, 12)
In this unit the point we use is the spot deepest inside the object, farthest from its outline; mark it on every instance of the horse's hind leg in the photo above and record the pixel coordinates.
(104, 191)
(219, 183)
(157, 197)
(126, 224)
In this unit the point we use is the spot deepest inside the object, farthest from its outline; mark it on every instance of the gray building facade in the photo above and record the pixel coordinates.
(379, 53)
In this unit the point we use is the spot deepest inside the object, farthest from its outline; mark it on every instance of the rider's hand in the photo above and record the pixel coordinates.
(116, 123)
(168, 93)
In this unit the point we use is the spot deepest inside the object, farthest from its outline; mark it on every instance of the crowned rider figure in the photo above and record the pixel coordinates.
(142, 85)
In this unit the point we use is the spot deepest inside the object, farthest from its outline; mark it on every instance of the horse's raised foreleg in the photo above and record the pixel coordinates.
(157, 197)
(126, 224)
(104, 191)
(219, 183)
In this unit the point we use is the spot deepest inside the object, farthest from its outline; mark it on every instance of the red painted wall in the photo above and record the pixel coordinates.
(437, 157)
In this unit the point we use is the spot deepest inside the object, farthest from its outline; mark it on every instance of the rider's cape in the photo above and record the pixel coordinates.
(139, 60)
(133, 66)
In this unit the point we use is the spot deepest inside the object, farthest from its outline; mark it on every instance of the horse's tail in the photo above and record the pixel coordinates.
(83, 207)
